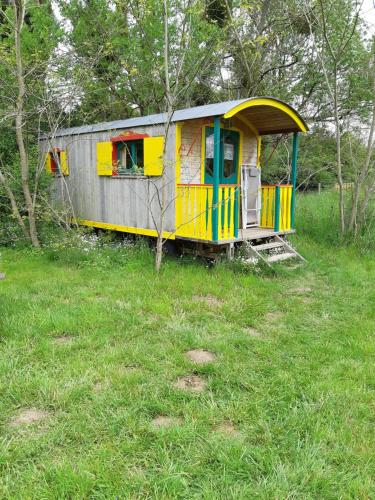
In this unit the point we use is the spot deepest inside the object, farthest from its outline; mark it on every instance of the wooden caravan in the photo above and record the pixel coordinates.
(113, 173)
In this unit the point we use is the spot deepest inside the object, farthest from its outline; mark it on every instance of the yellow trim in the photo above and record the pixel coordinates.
(124, 229)
(178, 152)
(47, 163)
(267, 215)
(194, 211)
(104, 158)
(203, 148)
(263, 101)
(240, 155)
(64, 163)
(153, 149)
(203, 151)
(259, 147)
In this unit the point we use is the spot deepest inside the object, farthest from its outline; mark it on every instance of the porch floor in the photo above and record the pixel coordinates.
(255, 233)
(248, 234)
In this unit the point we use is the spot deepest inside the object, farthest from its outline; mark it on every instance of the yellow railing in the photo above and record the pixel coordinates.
(268, 204)
(285, 207)
(267, 214)
(194, 203)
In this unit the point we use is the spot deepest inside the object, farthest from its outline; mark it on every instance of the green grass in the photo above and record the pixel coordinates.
(300, 395)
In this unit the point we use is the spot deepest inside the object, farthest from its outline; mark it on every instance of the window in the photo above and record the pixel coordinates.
(56, 162)
(210, 153)
(130, 154)
(129, 157)
(228, 156)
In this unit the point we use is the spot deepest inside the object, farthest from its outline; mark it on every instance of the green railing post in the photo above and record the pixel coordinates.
(277, 209)
(216, 180)
(294, 178)
(236, 211)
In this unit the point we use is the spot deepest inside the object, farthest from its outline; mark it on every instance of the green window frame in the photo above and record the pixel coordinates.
(130, 157)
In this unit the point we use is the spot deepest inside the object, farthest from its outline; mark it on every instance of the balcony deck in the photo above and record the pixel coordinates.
(257, 233)
(248, 234)
(195, 211)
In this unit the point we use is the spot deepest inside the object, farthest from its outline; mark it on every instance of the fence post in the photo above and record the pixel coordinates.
(277, 209)
(294, 178)
(216, 180)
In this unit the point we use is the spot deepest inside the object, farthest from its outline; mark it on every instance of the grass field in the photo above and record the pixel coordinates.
(92, 346)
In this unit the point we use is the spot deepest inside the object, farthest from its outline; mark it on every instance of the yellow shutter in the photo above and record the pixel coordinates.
(64, 163)
(104, 158)
(47, 163)
(153, 155)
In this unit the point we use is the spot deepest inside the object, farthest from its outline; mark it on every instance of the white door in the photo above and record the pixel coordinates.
(250, 195)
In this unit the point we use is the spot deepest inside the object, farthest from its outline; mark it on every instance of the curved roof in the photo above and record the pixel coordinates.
(266, 114)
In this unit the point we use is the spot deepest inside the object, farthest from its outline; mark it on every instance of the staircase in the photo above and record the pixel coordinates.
(275, 250)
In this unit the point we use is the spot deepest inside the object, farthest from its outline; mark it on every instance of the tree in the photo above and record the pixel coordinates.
(340, 50)
(25, 50)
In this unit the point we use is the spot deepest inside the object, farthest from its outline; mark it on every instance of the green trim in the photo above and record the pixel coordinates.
(133, 153)
(131, 148)
(277, 209)
(224, 133)
(216, 180)
(294, 178)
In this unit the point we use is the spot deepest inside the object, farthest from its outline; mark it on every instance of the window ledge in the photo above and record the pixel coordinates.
(129, 176)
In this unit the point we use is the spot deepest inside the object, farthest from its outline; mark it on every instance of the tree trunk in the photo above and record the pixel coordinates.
(364, 172)
(14, 206)
(169, 99)
(19, 14)
(338, 156)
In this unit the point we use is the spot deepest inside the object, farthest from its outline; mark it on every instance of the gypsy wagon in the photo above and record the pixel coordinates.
(112, 175)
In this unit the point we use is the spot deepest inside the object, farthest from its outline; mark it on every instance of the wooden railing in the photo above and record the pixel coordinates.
(194, 207)
(276, 207)
(267, 213)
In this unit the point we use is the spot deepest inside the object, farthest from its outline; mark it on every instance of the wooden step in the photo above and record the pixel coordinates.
(268, 246)
(280, 256)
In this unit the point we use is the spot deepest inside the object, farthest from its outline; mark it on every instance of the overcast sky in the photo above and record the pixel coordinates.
(368, 13)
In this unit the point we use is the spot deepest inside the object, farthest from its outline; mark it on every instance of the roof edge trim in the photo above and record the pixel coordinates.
(267, 101)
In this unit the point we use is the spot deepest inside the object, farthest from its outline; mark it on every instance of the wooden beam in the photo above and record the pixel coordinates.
(294, 178)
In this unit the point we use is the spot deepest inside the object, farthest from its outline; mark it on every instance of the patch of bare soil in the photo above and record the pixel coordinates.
(192, 383)
(63, 339)
(123, 304)
(273, 316)
(210, 300)
(300, 290)
(252, 332)
(163, 422)
(227, 428)
(200, 356)
(28, 416)
(98, 387)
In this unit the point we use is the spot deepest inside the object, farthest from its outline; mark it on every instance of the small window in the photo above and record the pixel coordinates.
(56, 162)
(209, 160)
(130, 158)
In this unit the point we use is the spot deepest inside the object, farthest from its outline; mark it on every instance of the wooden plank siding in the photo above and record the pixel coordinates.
(122, 201)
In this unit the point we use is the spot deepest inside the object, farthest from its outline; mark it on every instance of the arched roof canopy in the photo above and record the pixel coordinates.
(268, 116)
